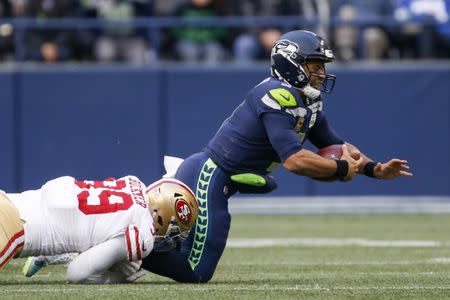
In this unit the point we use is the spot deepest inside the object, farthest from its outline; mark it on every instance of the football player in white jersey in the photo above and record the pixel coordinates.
(112, 224)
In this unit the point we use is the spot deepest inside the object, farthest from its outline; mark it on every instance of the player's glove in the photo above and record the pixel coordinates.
(130, 270)
(122, 272)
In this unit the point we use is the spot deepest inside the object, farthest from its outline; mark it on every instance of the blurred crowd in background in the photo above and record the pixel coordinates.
(420, 30)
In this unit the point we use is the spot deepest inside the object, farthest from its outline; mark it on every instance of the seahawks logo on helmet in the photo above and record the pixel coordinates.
(285, 48)
(293, 51)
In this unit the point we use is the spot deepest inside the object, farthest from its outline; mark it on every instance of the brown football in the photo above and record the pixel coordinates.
(331, 152)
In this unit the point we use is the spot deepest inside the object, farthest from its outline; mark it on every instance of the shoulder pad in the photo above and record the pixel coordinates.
(284, 97)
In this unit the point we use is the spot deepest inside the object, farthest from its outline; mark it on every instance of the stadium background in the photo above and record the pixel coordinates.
(99, 122)
(94, 121)
(108, 120)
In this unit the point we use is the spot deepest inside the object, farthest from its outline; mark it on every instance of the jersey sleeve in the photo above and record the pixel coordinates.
(138, 242)
(321, 135)
(281, 133)
(277, 106)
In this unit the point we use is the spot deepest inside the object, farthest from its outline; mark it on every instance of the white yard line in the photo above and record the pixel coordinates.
(329, 242)
(339, 204)
(431, 261)
(302, 288)
(256, 288)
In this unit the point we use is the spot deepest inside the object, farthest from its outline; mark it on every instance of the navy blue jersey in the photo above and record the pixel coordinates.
(269, 126)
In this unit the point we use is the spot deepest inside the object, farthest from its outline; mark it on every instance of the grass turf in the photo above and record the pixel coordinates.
(289, 272)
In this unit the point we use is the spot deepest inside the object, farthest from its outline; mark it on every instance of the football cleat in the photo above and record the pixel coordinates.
(33, 265)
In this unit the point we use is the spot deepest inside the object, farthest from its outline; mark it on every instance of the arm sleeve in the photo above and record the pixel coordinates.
(139, 243)
(321, 134)
(281, 133)
(97, 259)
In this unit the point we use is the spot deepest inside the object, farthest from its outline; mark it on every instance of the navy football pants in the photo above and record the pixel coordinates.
(197, 257)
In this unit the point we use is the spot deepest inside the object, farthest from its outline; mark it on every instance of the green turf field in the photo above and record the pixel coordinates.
(291, 257)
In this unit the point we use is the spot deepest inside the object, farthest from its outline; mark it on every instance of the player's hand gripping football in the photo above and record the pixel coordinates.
(392, 169)
(353, 164)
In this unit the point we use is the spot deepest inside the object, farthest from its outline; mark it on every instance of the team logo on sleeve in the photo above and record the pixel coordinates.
(183, 211)
(283, 97)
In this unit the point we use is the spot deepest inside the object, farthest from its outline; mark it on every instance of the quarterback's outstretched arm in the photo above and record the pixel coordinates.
(308, 163)
(97, 259)
(389, 170)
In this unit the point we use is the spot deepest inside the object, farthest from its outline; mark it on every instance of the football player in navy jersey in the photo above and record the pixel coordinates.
(267, 129)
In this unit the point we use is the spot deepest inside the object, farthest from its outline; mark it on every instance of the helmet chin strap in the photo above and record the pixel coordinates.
(310, 92)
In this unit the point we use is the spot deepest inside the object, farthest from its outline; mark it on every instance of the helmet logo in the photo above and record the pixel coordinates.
(329, 53)
(285, 48)
(183, 211)
(322, 44)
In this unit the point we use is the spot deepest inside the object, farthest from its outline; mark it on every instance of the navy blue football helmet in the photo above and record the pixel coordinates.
(290, 54)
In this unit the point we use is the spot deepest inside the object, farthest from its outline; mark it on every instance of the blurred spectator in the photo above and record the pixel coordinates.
(367, 42)
(46, 45)
(6, 33)
(256, 43)
(166, 7)
(122, 43)
(194, 44)
(426, 29)
(317, 10)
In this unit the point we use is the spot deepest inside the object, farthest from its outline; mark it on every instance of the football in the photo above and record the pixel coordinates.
(331, 152)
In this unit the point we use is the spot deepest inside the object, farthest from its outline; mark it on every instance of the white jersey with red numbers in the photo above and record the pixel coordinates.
(67, 215)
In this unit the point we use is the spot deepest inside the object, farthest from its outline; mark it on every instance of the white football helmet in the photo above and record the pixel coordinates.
(174, 210)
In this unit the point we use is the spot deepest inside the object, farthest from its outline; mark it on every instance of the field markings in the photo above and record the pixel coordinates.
(432, 261)
(330, 242)
(252, 287)
(339, 204)
(317, 287)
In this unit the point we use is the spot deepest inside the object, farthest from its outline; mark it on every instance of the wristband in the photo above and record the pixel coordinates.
(369, 169)
(341, 168)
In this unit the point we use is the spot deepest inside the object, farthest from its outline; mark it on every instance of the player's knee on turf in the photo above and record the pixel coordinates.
(190, 276)
(177, 267)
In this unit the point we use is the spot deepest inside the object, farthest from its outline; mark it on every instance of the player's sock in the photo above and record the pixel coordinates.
(61, 259)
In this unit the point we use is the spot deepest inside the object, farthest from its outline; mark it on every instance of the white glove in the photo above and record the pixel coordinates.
(122, 272)
(129, 270)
